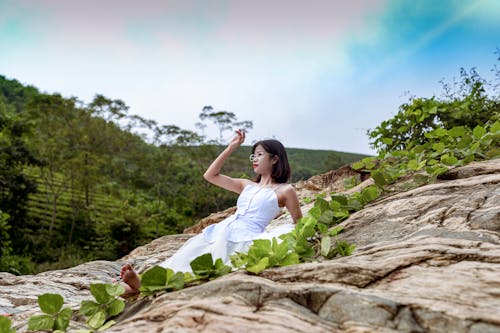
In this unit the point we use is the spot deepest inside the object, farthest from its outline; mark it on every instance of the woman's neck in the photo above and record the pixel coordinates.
(266, 180)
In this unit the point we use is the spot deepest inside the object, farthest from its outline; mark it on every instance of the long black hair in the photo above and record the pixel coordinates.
(281, 170)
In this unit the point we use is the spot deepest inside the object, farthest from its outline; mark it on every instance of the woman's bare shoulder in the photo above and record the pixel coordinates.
(245, 182)
(287, 188)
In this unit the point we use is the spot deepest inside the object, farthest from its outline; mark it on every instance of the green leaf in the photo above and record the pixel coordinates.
(478, 131)
(304, 249)
(115, 289)
(369, 162)
(290, 259)
(176, 281)
(221, 269)
(440, 132)
(63, 319)
(260, 266)
(260, 248)
(107, 325)
(457, 131)
(379, 178)
(98, 290)
(97, 320)
(40, 323)
(495, 127)
(449, 159)
(323, 228)
(387, 141)
(306, 227)
(88, 308)
(369, 193)
(50, 303)
(315, 212)
(341, 199)
(5, 325)
(326, 244)
(358, 165)
(412, 165)
(202, 265)
(335, 231)
(280, 249)
(322, 204)
(155, 276)
(402, 129)
(326, 217)
(439, 147)
(239, 259)
(116, 307)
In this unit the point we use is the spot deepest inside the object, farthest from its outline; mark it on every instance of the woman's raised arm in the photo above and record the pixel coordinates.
(213, 174)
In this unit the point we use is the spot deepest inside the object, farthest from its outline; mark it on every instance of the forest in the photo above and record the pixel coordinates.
(82, 181)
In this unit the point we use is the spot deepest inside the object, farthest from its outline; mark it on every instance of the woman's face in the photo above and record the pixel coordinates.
(263, 161)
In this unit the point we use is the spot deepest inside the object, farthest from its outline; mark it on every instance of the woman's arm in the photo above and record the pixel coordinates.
(292, 203)
(213, 174)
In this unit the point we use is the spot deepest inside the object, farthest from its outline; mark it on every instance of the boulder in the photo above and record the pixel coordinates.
(427, 260)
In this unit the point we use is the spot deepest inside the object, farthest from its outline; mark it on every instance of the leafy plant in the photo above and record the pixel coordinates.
(158, 278)
(311, 237)
(443, 149)
(106, 305)
(5, 325)
(428, 136)
(265, 253)
(54, 318)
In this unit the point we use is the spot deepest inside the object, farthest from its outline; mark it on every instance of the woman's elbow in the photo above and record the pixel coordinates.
(209, 177)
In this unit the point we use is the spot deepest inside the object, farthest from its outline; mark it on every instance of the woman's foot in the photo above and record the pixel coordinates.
(130, 281)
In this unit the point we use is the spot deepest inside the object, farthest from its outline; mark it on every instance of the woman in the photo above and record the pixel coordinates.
(259, 203)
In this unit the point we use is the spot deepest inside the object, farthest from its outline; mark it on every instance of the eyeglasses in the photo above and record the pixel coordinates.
(258, 156)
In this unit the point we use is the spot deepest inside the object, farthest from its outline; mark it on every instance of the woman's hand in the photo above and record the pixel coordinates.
(238, 139)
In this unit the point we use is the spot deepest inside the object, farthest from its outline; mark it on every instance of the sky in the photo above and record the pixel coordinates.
(312, 74)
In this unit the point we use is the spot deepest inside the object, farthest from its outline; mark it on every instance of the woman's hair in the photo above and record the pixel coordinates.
(281, 169)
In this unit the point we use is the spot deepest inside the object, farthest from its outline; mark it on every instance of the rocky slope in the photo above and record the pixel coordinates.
(427, 260)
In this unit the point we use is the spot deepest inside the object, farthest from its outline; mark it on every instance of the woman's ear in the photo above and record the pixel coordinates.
(275, 159)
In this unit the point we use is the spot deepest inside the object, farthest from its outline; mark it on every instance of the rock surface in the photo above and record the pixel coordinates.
(427, 260)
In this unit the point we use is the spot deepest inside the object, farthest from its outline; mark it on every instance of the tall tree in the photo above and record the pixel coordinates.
(54, 118)
(223, 120)
(15, 185)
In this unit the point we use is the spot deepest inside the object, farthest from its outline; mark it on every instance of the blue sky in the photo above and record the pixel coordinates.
(313, 74)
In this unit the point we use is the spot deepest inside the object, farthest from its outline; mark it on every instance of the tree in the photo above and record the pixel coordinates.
(468, 105)
(223, 120)
(54, 120)
(15, 185)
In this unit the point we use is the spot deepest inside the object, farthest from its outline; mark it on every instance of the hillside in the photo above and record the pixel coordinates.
(77, 178)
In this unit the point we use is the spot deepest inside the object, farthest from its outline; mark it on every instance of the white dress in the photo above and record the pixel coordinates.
(256, 207)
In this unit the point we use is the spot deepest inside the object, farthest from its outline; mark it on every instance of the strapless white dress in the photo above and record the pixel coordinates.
(256, 207)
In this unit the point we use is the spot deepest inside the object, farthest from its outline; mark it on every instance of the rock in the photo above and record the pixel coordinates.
(427, 260)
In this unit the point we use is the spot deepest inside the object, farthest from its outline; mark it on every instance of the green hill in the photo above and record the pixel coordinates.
(79, 184)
